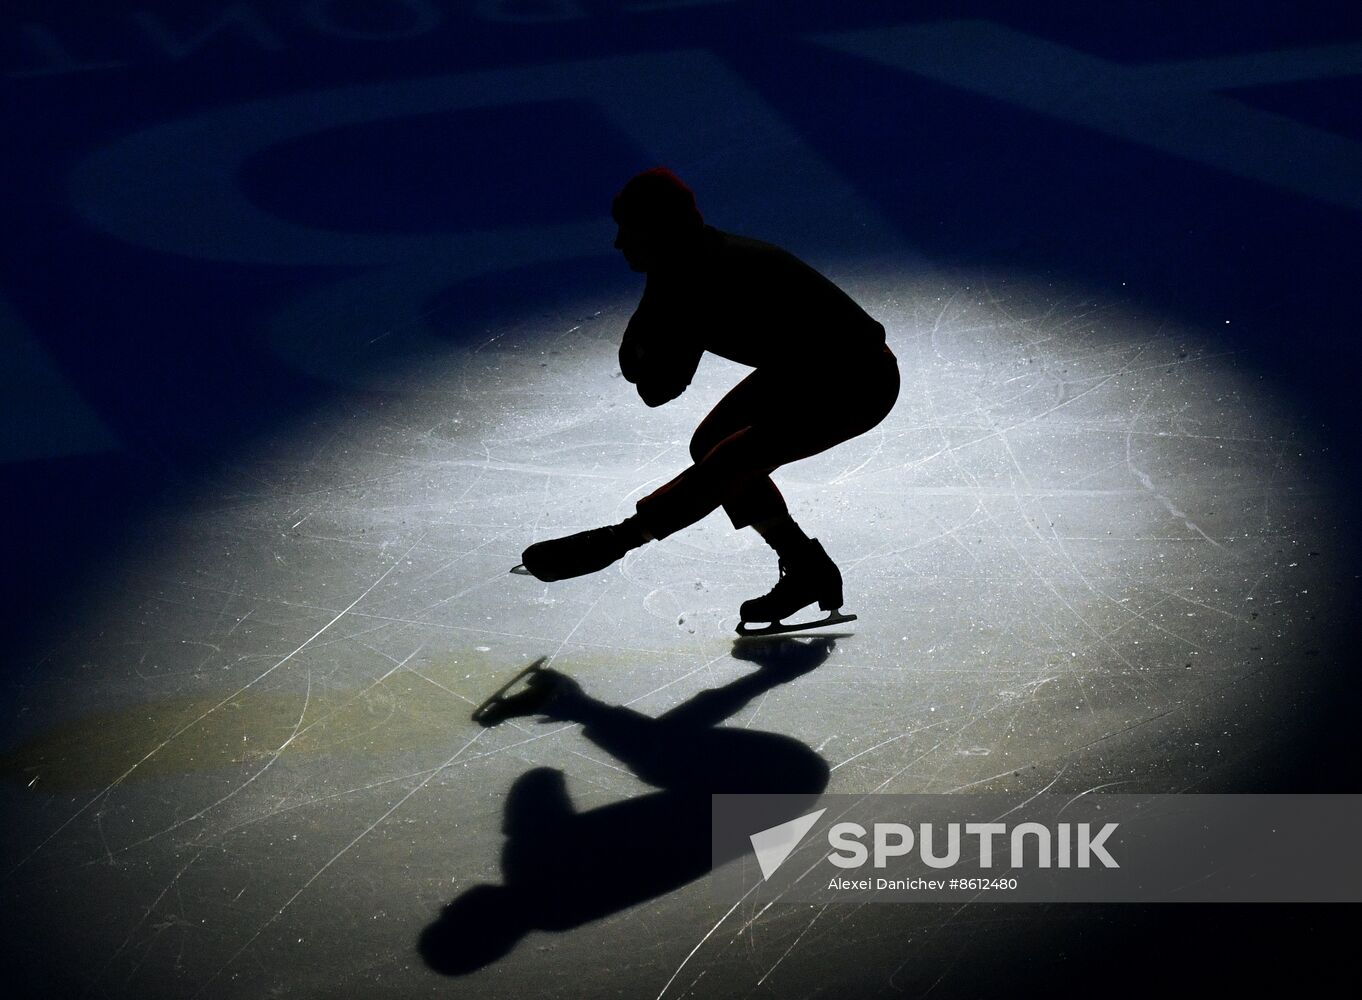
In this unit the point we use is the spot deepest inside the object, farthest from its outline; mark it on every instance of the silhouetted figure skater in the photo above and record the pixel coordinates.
(823, 375)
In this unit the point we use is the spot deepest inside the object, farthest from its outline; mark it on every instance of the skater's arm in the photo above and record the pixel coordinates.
(660, 360)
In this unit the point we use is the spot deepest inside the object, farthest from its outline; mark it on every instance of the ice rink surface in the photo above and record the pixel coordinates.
(1102, 543)
(1087, 553)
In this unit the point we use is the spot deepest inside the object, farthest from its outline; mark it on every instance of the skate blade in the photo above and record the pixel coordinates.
(776, 628)
(485, 714)
(519, 570)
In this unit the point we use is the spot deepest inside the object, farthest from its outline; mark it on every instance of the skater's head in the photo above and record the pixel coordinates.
(657, 218)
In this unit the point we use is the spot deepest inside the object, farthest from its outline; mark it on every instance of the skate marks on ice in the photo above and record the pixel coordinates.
(1084, 545)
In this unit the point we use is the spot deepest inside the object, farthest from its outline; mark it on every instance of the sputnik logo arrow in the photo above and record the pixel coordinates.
(773, 846)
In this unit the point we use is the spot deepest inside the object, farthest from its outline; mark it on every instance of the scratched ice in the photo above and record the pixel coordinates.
(1087, 551)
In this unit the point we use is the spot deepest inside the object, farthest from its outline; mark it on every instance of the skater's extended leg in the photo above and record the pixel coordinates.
(730, 475)
(584, 552)
(734, 474)
(767, 420)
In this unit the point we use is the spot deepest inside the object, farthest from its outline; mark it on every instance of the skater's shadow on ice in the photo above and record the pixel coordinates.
(562, 868)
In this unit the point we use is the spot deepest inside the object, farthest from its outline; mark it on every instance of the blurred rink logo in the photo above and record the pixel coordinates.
(367, 310)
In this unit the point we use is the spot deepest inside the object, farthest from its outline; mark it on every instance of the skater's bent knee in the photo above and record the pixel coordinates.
(701, 445)
(740, 447)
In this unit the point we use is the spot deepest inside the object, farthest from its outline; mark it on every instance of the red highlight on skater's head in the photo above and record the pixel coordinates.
(657, 201)
(658, 219)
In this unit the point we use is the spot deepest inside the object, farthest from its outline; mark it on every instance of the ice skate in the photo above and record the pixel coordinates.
(573, 555)
(805, 578)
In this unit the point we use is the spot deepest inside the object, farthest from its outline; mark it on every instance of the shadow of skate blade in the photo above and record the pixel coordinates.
(491, 711)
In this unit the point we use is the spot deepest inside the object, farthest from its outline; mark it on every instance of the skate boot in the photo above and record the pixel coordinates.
(575, 555)
(805, 577)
